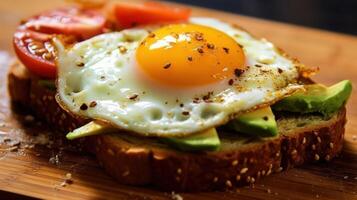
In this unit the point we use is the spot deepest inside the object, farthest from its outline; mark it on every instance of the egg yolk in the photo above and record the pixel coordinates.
(188, 55)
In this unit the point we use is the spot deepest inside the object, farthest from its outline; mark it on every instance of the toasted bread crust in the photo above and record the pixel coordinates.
(168, 169)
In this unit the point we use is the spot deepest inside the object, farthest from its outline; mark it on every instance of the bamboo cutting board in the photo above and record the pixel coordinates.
(41, 172)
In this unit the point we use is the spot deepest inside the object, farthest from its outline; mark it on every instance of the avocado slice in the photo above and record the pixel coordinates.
(260, 122)
(317, 98)
(205, 140)
(92, 128)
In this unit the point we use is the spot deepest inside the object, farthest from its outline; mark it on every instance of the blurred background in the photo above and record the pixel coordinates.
(334, 15)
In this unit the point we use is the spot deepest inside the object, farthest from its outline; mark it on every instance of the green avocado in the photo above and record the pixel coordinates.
(260, 123)
(92, 128)
(205, 140)
(317, 98)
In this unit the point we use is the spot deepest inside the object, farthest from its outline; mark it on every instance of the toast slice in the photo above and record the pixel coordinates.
(241, 160)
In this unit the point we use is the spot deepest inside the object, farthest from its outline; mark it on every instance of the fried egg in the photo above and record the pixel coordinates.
(172, 80)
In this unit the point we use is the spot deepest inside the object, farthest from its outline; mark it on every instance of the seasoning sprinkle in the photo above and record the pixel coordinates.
(189, 58)
(210, 46)
(199, 36)
(133, 97)
(265, 118)
(84, 106)
(152, 35)
(226, 49)
(238, 72)
(167, 65)
(185, 113)
(280, 70)
(231, 81)
(256, 65)
(80, 64)
(92, 104)
(122, 49)
(200, 50)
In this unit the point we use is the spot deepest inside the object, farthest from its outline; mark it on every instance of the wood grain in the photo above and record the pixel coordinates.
(28, 171)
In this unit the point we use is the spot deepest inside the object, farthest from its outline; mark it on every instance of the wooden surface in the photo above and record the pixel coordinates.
(27, 171)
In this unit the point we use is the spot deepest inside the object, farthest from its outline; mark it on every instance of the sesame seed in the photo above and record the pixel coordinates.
(304, 140)
(258, 174)
(228, 183)
(318, 139)
(268, 191)
(317, 157)
(252, 180)
(179, 170)
(235, 162)
(313, 147)
(279, 169)
(215, 179)
(277, 154)
(111, 152)
(331, 145)
(263, 172)
(327, 157)
(126, 173)
(269, 172)
(248, 179)
(244, 170)
(294, 152)
(238, 177)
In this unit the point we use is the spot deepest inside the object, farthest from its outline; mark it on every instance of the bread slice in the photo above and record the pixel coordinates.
(241, 160)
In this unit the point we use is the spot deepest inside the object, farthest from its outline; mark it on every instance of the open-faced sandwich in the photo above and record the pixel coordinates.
(182, 103)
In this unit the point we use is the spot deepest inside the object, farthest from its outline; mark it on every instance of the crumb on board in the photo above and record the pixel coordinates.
(175, 196)
(67, 180)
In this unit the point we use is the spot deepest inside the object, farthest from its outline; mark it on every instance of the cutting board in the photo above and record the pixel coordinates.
(40, 172)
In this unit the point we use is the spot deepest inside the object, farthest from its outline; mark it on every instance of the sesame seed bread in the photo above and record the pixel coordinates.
(241, 160)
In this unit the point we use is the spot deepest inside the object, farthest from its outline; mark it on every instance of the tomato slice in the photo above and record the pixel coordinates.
(36, 52)
(132, 14)
(83, 23)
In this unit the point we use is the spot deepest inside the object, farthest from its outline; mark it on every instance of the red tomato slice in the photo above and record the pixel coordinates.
(84, 23)
(131, 14)
(36, 52)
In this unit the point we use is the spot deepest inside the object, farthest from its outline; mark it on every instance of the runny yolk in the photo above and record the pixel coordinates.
(187, 55)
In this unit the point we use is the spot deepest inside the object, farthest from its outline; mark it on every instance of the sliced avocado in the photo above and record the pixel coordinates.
(92, 128)
(205, 140)
(257, 123)
(317, 98)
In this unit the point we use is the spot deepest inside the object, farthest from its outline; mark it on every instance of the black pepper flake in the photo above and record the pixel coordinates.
(265, 118)
(200, 50)
(92, 104)
(241, 46)
(238, 72)
(210, 46)
(189, 58)
(256, 65)
(152, 35)
(231, 81)
(199, 36)
(226, 49)
(185, 113)
(181, 105)
(80, 64)
(280, 70)
(133, 97)
(84, 107)
(196, 100)
(167, 65)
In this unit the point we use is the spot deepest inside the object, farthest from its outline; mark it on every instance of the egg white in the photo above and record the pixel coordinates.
(125, 99)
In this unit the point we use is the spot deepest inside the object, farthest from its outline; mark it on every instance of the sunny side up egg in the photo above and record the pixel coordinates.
(172, 80)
